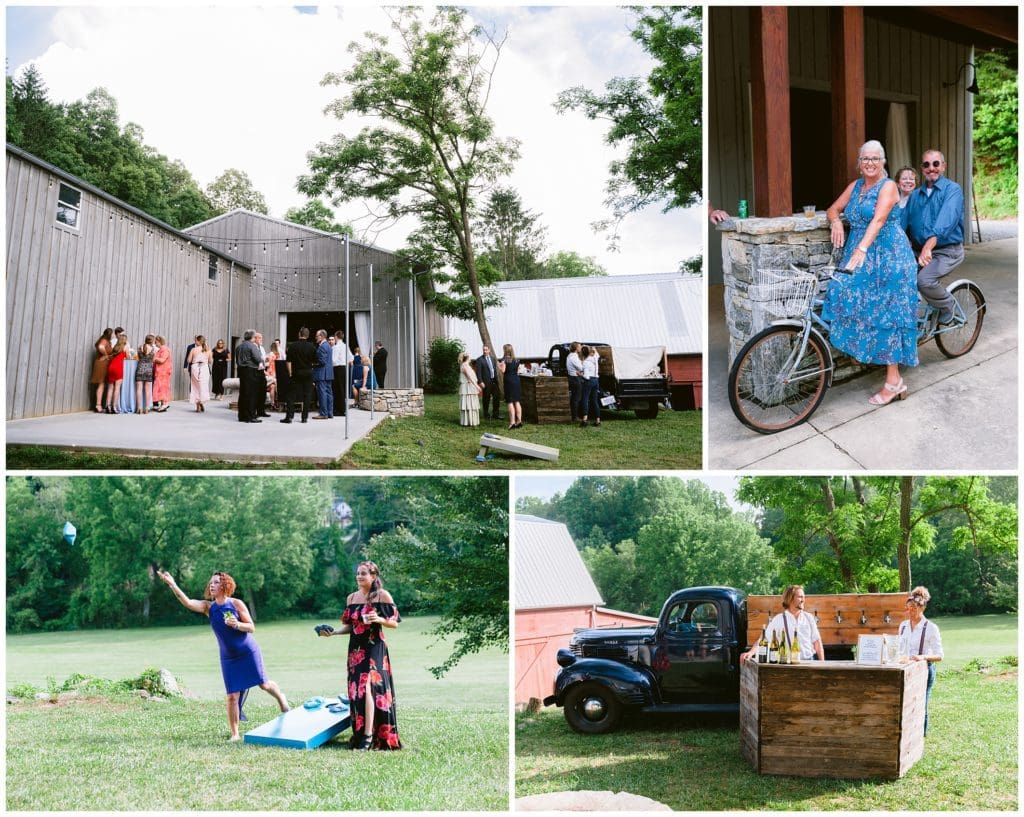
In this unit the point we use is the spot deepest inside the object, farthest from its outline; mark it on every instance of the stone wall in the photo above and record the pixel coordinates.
(396, 402)
(771, 243)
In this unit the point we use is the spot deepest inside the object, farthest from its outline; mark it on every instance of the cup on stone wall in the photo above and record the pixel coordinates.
(809, 211)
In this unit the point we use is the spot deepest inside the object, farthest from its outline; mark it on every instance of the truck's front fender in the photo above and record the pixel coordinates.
(631, 684)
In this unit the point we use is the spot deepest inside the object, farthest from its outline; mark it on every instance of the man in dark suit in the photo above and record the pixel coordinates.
(261, 377)
(188, 351)
(323, 376)
(380, 363)
(247, 361)
(487, 376)
(300, 357)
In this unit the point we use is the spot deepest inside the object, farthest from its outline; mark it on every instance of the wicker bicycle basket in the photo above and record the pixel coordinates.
(782, 293)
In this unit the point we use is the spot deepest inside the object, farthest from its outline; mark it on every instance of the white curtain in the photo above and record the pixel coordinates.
(362, 321)
(897, 139)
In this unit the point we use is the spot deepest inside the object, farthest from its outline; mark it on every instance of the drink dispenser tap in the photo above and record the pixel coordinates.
(839, 616)
(863, 618)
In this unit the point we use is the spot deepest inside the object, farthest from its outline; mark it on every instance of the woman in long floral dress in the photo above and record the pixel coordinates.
(371, 688)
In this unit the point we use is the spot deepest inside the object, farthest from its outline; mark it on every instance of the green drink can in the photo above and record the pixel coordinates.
(742, 209)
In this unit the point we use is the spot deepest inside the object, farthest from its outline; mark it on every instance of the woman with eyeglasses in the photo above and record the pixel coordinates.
(872, 300)
(920, 640)
(906, 181)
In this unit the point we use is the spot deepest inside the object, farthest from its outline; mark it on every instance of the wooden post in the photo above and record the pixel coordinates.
(769, 80)
(846, 35)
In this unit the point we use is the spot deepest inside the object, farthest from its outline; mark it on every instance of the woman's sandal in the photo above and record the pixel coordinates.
(889, 393)
(364, 745)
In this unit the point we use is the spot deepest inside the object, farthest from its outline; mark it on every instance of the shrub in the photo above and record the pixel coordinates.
(24, 690)
(443, 365)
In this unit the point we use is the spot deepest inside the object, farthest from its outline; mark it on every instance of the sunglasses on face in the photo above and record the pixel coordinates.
(936, 163)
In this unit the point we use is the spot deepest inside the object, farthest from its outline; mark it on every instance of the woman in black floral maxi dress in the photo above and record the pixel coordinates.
(368, 611)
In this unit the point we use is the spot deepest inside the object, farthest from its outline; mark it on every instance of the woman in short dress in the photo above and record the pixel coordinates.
(371, 688)
(144, 376)
(241, 661)
(199, 374)
(509, 367)
(161, 374)
(469, 393)
(358, 375)
(115, 374)
(104, 351)
(221, 356)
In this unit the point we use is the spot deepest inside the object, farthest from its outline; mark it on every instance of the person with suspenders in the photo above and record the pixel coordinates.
(920, 639)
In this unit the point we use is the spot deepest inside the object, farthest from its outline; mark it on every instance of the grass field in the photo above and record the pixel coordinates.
(437, 441)
(694, 764)
(124, 753)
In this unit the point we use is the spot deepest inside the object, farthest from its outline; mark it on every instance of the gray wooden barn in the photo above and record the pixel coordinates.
(79, 260)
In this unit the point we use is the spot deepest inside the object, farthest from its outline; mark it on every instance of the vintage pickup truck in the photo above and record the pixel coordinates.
(634, 379)
(689, 660)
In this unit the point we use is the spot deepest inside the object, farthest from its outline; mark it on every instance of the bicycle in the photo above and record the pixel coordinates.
(781, 374)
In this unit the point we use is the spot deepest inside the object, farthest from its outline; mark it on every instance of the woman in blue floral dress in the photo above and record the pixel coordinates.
(873, 311)
(371, 688)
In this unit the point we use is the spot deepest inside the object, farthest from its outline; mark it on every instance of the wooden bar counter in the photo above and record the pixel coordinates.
(832, 718)
(545, 399)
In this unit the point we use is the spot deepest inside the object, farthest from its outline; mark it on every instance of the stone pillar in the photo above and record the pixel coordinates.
(771, 243)
(396, 402)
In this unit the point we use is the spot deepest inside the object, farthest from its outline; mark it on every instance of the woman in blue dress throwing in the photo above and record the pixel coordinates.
(240, 659)
(873, 311)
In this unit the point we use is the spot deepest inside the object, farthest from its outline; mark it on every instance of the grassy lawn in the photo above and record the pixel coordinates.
(437, 441)
(970, 760)
(130, 754)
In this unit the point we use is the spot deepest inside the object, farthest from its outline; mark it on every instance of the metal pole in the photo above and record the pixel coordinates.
(412, 332)
(373, 376)
(398, 329)
(347, 387)
(231, 274)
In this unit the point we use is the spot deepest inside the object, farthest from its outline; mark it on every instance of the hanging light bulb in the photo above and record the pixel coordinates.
(286, 245)
(264, 247)
(302, 246)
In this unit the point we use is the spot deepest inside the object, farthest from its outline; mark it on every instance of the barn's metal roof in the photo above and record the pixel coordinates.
(549, 570)
(622, 310)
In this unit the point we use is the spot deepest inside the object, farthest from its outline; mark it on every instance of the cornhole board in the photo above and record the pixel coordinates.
(512, 446)
(302, 728)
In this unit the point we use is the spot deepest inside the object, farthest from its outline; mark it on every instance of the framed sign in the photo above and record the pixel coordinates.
(870, 649)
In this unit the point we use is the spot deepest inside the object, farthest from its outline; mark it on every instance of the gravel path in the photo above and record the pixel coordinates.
(995, 230)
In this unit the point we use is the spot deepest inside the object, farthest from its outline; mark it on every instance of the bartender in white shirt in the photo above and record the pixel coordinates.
(920, 639)
(794, 620)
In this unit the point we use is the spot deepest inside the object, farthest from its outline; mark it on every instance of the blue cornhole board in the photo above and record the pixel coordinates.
(302, 728)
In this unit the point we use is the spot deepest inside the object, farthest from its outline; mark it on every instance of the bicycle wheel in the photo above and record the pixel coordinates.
(772, 386)
(959, 340)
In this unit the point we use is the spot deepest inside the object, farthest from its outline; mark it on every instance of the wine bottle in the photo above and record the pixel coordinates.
(773, 650)
(784, 651)
(794, 651)
(762, 647)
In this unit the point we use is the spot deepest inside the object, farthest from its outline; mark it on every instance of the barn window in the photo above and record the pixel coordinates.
(69, 206)
(213, 267)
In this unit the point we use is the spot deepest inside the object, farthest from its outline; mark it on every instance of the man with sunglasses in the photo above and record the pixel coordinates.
(933, 218)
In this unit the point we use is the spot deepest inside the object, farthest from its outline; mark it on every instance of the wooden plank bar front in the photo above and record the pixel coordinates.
(832, 718)
(841, 617)
(545, 399)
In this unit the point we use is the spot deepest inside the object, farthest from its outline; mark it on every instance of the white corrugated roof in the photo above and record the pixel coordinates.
(549, 570)
(622, 310)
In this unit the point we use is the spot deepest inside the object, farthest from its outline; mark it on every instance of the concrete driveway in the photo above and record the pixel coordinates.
(960, 414)
(181, 433)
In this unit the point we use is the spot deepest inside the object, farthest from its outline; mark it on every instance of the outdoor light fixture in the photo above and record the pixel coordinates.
(973, 87)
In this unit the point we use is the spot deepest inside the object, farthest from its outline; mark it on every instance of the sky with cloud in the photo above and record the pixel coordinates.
(220, 87)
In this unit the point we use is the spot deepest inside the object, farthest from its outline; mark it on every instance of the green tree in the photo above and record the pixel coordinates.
(568, 264)
(455, 548)
(996, 132)
(511, 237)
(314, 213)
(233, 189)
(657, 119)
(434, 151)
(855, 534)
(42, 569)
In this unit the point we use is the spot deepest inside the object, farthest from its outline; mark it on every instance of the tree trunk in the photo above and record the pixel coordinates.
(845, 571)
(903, 548)
(466, 244)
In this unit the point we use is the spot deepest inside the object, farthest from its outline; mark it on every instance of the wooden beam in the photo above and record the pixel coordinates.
(846, 39)
(769, 80)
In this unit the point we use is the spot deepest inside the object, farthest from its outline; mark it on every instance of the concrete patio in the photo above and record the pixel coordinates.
(181, 433)
(960, 414)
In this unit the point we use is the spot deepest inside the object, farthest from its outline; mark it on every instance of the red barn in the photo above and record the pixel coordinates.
(554, 594)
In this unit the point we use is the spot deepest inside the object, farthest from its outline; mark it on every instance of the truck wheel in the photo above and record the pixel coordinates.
(650, 412)
(591, 709)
